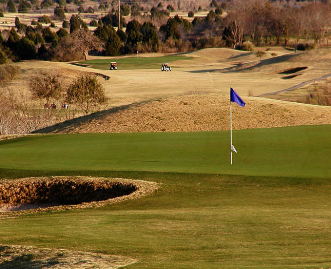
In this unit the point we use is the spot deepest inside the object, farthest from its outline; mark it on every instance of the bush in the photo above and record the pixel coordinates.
(190, 14)
(93, 23)
(59, 13)
(307, 46)
(86, 92)
(65, 24)
(9, 72)
(3, 57)
(246, 46)
(44, 19)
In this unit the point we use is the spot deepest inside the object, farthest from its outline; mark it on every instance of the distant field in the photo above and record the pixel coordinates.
(272, 212)
(135, 62)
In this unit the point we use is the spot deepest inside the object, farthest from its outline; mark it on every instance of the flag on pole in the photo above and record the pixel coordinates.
(233, 149)
(234, 97)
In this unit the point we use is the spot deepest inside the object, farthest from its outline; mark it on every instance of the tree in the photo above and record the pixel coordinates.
(65, 24)
(125, 10)
(150, 37)
(26, 49)
(76, 46)
(46, 86)
(24, 7)
(3, 57)
(113, 44)
(45, 19)
(61, 33)
(11, 6)
(133, 33)
(86, 92)
(74, 23)
(59, 13)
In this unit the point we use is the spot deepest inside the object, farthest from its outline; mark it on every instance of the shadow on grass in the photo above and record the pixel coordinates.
(71, 125)
(26, 261)
(248, 66)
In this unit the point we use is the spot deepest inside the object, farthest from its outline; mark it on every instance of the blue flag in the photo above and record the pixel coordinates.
(234, 97)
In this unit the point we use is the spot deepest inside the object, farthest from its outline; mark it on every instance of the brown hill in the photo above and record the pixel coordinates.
(196, 113)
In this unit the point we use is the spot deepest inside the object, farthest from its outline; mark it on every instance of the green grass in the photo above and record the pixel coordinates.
(135, 62)
(286, 152)
(272, 210)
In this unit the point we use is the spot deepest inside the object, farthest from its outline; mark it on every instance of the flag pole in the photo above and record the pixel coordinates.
(231, 130)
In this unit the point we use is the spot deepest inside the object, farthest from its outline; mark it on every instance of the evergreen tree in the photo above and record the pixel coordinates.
(11, 6)
(59, 13)
(74, 23)
(150, 37)
(113, 44)
(133, 33)
(26, 49)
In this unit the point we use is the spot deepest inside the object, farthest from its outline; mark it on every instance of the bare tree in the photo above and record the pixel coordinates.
(77, 45)
(46, 86)
(86, 92)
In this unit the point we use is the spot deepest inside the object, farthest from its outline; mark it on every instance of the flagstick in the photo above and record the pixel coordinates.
(231, 130)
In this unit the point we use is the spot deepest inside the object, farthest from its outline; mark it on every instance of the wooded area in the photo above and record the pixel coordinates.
(156, 27)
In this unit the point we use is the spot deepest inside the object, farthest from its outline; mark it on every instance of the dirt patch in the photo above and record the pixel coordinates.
(64, 193)
(188, 113)
(31, 257)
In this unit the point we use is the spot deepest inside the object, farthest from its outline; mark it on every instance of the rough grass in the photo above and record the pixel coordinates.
(195, 113)
(197, 221)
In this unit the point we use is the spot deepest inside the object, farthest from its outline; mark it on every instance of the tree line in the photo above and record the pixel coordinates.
(227, 24)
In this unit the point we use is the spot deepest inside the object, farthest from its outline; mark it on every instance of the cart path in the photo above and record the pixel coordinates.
(296, 86)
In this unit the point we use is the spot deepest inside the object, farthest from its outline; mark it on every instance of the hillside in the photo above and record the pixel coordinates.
(209, 112)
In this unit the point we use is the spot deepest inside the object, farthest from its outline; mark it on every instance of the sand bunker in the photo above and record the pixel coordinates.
(58, 193)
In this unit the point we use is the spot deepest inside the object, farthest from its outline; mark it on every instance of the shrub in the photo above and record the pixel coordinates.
(170, 8)
(190, 14)
(3, 57)
(260, 54)
(246, 46)
(86, 92)
(59, 13)
(9, 72)
(93, 23)
(44, 19)
(65, 24)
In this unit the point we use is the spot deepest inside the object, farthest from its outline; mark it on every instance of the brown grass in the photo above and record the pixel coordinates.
(207, 112)
(15, 256)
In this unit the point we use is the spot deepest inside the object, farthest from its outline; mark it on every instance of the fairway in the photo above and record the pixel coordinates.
(270, 209)
(130, 63)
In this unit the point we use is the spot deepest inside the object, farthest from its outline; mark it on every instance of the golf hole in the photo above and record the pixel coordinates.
(36, 193)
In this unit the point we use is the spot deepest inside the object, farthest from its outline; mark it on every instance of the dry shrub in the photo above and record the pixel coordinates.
(17, 117)
(319, 95)
(9, 72)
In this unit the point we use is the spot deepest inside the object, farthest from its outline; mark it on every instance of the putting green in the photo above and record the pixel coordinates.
(288, 152)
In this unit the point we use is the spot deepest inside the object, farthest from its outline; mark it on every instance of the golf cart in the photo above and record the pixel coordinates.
(166, 67)
(113, 66)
